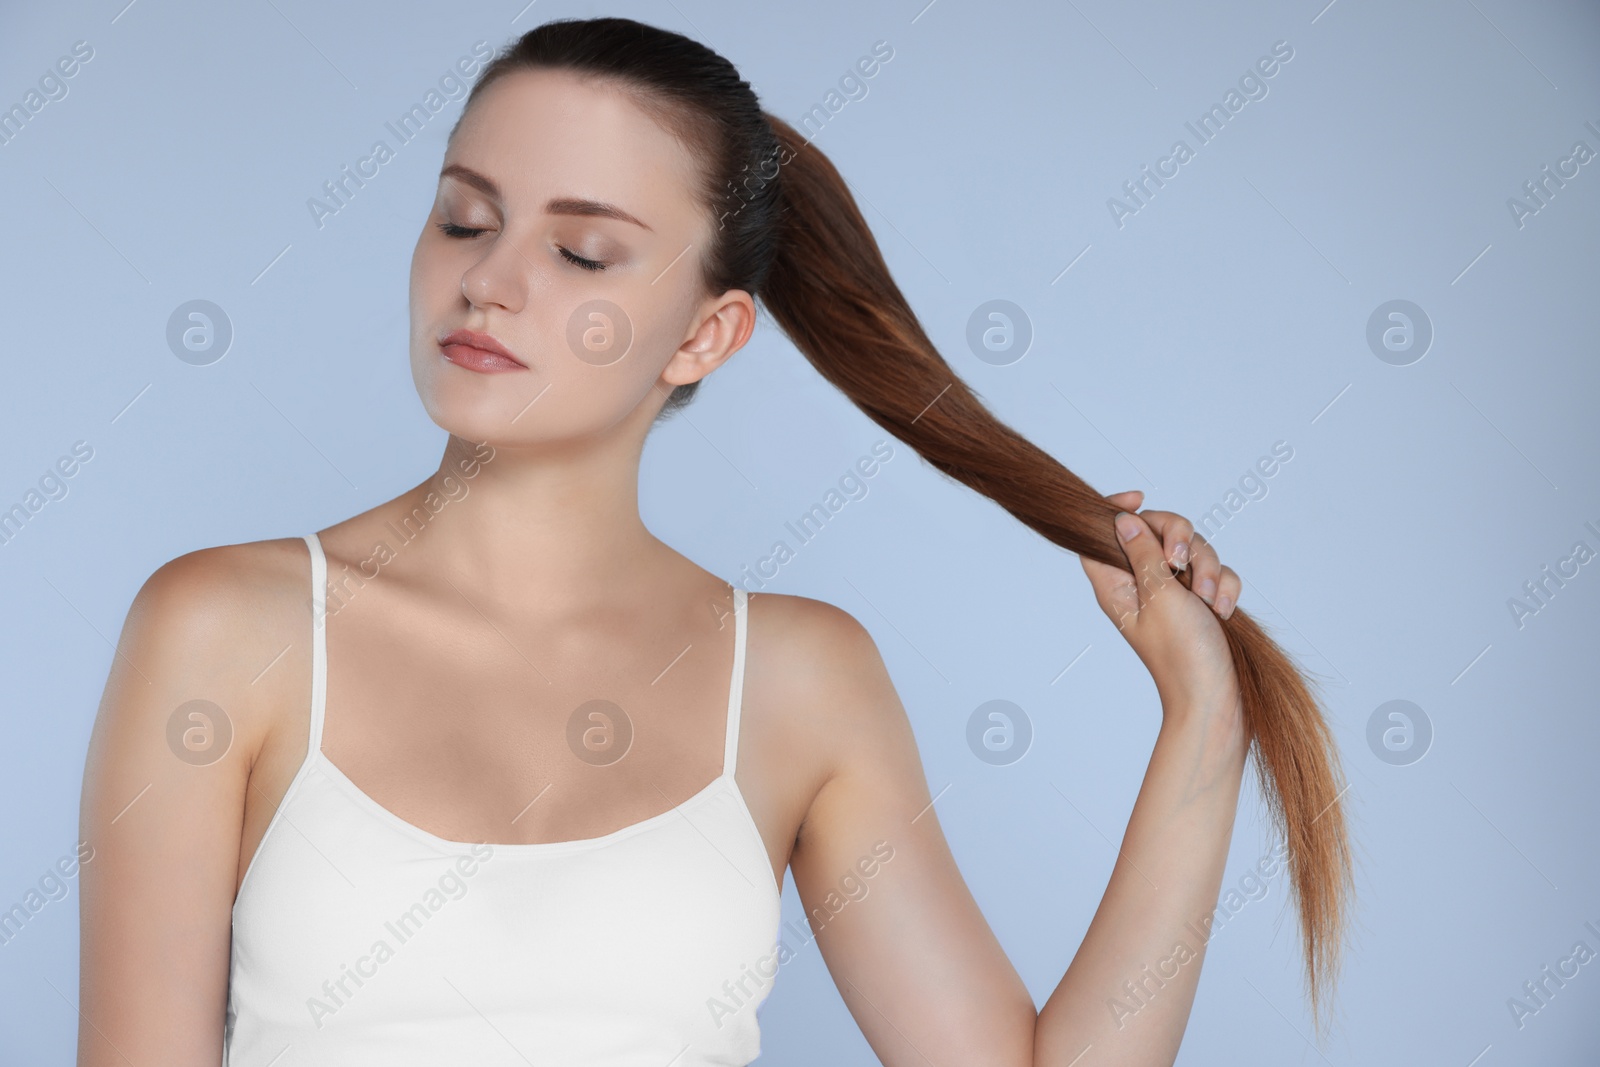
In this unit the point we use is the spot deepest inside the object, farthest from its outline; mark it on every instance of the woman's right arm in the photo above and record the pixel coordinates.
(163, 815)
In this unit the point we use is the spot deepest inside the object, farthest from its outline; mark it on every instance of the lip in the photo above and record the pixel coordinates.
(478, 352)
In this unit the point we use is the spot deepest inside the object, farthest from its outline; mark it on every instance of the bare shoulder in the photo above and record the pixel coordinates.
(821, 667)
(213, 621)
(225, 596)
(812, 643)
(212, 578)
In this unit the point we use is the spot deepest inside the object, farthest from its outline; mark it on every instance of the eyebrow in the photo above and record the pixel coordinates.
(561, 205)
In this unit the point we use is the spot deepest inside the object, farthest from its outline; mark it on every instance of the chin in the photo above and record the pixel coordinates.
(472, 425)
(473, 407)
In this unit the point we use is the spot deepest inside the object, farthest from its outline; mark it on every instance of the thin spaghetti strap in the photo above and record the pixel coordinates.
(319, 641)
(741, 612)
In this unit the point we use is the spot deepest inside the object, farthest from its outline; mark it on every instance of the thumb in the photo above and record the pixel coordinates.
(1143, 549)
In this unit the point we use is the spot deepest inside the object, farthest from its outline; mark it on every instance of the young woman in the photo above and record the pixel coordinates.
(488, 774)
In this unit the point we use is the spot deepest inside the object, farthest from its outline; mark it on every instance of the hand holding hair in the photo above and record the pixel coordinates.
(1176, 632)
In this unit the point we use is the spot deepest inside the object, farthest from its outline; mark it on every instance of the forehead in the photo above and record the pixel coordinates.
(544, 133)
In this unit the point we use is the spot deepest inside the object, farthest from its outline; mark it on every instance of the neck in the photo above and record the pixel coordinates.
(562, 523)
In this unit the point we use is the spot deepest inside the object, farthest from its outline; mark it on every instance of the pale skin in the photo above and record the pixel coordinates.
(452, 672)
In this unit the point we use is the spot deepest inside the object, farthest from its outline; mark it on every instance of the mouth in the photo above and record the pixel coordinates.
(479, 352)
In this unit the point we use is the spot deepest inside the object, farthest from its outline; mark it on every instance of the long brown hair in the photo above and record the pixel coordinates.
(789, 233)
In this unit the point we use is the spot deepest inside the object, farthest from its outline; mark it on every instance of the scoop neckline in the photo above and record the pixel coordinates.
(514, 848)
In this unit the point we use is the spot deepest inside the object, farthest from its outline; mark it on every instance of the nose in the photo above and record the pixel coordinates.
(499, 278)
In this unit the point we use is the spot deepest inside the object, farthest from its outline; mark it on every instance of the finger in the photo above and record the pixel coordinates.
(1128, 500)
(1228, 588)
(1207, 578)
(1177, 536)
(1143, 549)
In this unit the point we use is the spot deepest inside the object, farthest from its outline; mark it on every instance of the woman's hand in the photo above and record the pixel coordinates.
(1173, 629)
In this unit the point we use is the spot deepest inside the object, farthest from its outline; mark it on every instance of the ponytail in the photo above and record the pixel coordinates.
(831, 292)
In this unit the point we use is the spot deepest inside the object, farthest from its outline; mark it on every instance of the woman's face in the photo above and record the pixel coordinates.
(567, 230)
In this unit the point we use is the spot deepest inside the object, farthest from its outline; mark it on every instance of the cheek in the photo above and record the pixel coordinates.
(640, 322)
(661, 324)
(431, 279)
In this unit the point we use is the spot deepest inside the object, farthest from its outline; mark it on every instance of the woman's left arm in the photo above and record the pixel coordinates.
(912, 955)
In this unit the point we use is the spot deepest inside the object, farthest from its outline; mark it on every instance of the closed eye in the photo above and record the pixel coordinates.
(450, 229)
(577, 260)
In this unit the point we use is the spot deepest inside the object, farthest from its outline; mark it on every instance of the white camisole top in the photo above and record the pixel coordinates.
(359, 938)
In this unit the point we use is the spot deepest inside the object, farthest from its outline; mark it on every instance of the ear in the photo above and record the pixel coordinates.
(725, 323)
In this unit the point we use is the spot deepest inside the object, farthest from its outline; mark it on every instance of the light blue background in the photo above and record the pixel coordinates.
(1229, 313)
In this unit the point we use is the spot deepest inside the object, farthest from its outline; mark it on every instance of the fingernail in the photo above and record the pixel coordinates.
(1207, 590)
(1127, 526)
(1225, 606)
(1180, 555)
